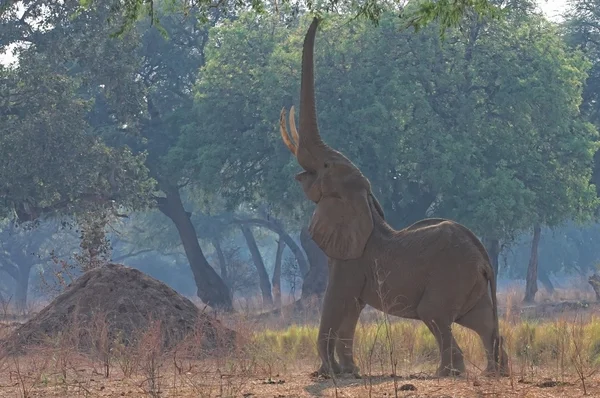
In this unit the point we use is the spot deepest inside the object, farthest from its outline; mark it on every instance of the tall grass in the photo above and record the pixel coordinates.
(559, 343)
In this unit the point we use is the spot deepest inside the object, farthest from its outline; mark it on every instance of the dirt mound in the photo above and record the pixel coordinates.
(118, 303)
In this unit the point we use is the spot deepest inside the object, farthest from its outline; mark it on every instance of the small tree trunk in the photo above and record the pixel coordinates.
(276, 281)
(492, 246)
(211, 288)
(222, 261)
(303, 266)
(532, 269)
(22, 287)
(265, 284)
(315, 282)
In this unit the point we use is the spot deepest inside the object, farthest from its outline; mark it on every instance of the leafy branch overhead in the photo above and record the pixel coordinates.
(417, 14)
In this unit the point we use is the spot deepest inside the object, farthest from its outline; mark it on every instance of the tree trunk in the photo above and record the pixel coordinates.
(532, 269)
(276, 281)
(263, 277)
(22, 287)
(222, 261)
(492, 246)
(545, 279)
(315, 282)
(275, 226)
(211, 288)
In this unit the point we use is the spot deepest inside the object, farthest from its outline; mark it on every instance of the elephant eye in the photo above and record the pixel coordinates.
(326, 165)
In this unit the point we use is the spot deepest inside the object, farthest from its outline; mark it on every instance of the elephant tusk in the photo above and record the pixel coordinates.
(295, 136)
(284, 134)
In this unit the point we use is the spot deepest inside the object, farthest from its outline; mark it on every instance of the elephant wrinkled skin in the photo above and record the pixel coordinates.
(435, 270)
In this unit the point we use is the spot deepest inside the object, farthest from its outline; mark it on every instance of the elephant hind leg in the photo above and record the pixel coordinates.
(452, 360)
(480, 319)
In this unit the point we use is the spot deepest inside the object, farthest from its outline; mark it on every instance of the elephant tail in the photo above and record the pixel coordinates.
(491, 277)
(496, 337)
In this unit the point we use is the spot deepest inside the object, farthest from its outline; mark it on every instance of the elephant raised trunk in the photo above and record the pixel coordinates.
(308, 110)
(308, 147)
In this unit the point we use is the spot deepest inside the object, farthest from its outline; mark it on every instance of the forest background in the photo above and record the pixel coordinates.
(160, 148)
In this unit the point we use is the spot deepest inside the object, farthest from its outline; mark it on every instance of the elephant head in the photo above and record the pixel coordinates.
(343, 219)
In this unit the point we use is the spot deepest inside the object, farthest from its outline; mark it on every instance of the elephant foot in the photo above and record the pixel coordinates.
(327, 370)
(351, 369)
(448, 372)
(451, 371)
(493, 371)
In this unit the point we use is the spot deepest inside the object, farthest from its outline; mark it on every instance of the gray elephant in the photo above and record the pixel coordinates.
(435, 270)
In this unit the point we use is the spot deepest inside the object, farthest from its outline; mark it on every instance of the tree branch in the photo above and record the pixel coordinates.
(132, 254)
(11, 270)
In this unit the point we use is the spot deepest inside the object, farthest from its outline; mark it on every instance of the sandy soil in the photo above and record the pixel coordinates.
(198, 381)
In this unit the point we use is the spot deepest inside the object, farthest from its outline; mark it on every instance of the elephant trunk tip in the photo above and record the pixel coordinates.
(308, 113)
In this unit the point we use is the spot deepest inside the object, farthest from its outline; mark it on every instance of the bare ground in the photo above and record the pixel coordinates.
(203, 379)
(60, 371)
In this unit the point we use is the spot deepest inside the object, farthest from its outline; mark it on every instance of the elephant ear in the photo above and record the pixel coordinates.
(377, 205)
(341, 225)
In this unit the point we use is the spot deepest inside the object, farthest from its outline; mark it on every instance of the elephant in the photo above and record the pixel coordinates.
(436, 270)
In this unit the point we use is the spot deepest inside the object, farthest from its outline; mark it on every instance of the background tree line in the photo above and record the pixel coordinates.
(162, 151)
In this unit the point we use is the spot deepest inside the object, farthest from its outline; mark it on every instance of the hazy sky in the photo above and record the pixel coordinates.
(552, 8)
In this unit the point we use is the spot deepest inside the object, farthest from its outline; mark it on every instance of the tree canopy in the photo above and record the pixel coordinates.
(53, 163)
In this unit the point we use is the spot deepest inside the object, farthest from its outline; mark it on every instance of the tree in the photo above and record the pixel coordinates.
(582, 28)
(141, 86)
(73, 170)
(265, 284)
(533, 156)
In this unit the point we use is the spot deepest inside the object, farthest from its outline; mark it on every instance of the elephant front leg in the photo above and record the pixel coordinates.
(345, 338)
(339, 311)
(331, 319)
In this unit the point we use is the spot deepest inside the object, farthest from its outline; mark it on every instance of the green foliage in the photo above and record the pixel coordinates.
(447, 13)
(532, 148)
(582, 28)
(51, 162)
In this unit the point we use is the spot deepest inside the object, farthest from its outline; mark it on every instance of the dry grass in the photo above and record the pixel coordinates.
(553, 357)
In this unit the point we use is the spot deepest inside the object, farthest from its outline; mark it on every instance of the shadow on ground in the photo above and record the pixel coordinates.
(320, 385)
